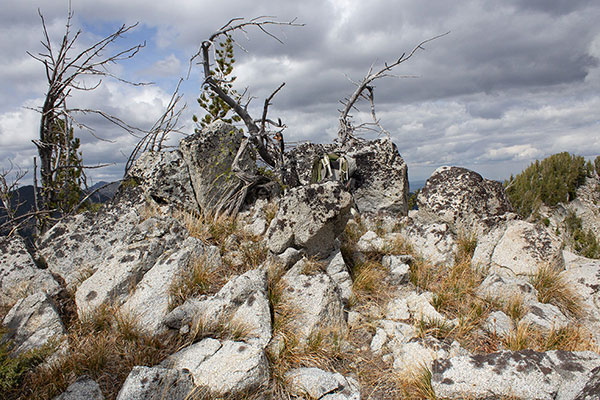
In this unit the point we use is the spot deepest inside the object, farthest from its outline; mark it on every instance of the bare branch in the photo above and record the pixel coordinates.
(346, 129)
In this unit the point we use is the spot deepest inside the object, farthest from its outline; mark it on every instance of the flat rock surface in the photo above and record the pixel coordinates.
(32, 322)
(156, 383)
(19, 275)
(523, 374)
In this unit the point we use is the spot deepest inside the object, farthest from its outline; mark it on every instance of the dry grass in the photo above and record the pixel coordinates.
(313, 266)
(270, 210)
(568, 338)
(104, 345)
(223, 328)
(209, 229)
(399, 246)
(467, 243)
(369, 284)
(201, 277)
(554, 289)
(514, 308)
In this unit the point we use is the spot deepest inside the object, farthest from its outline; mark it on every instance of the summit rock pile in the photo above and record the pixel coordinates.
(329, 291)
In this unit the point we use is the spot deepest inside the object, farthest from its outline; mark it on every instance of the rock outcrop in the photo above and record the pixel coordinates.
(381, 178)
(209, 155)
(310, 218)
(19, 274)
(523, 374)
(32, 323)
(463, 199)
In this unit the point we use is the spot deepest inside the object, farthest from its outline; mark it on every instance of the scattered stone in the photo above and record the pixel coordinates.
(156, 383)
(243, 301)
(420, 308)
(584, 278)
(289, 257)
(32, 323)
(435, 242)
(507, 289)
(209, 155)
(19, 275)
(397, 309)
(399, 267)
(311, 218)
(315, 383)
(522, 374)
(370, 242)
(463, 199)
(418, 353)
(338, 272)
(84, 388)
(545, 317)
(392, 334)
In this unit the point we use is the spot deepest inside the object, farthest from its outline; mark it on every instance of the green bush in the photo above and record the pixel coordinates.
(550, 181)
(13, 369)
(584, 242)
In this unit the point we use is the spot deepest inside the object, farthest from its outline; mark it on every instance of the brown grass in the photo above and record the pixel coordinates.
(369, 284)
(201, 277)
(554, 289)
(568, 338)
(104, 345)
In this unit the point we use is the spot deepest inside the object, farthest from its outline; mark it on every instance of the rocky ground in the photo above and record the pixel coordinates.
(319, 293)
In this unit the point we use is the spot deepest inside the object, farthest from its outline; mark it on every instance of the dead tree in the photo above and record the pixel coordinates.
(157, 135)
(365, 90)
(66, 70)
(260, 131)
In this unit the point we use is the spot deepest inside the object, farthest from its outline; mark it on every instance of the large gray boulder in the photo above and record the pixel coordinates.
(519, 248)
(156, 383)
(32, 323)
(149, 303)
(19, 275)
(209, 155)
(463, 199)
(223, 368)
(381, 176)
(315, 300)
(74, 247)
(310, 218)
(117, 275)
(242, 301)
(526, 374)
(164, 177)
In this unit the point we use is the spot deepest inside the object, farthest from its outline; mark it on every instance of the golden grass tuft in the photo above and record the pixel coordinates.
(104, 345)
(201, 277)
(399, 245)
(554, 289)
(368, 283)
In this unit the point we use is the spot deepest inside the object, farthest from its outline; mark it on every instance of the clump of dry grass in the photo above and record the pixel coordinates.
(554, 289)
(209, 229)
(567, 338)
(514, 307)
(369, 284)
(399, 245)
(104, 345)
(201, 277)
(221, 328)
(467, 243)
(270, 210)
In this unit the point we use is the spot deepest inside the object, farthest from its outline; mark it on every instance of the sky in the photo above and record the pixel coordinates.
(513, 81)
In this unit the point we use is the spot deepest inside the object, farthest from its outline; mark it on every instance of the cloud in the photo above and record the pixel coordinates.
(513, 81)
